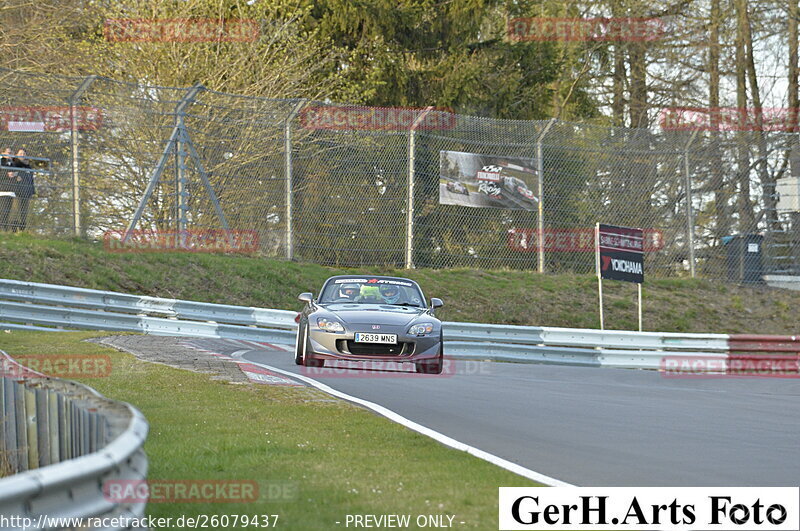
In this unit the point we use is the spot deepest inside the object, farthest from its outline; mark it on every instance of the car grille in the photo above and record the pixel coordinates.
(373, 349)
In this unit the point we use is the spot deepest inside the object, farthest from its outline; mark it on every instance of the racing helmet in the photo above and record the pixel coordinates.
(349, 291)
(390, 293)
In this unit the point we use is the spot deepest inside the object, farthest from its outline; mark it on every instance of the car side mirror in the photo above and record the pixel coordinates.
(436, 303)
(306, 297)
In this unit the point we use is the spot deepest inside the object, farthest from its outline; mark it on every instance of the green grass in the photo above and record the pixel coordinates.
(513, 297)
(334, 458)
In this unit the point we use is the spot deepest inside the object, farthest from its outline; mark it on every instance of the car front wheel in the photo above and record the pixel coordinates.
(306, 360)
(434, 366)
(298, 345)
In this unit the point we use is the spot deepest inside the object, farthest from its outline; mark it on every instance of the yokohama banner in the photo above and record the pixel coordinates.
(621, 253)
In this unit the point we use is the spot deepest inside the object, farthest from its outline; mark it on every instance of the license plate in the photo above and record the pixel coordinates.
(376, 338)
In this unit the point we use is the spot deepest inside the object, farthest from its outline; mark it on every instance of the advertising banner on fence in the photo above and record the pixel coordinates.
(487, 181)
(621, 253)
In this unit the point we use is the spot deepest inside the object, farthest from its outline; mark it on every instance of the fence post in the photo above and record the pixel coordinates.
(180, 166)
(74, 165)
(689, 208)
(180, 185)
(287, 147)
(540, 168)
(410, 197)
(177, 137)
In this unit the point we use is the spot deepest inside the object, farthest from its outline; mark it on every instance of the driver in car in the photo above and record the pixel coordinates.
(349, 292)
(390, 294)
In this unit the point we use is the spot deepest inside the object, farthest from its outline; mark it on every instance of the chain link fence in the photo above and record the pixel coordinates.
(358, 186)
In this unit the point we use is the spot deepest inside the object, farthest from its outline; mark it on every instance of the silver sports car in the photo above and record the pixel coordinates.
(370, 318)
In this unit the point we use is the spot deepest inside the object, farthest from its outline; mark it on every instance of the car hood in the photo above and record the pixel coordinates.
(379, 314)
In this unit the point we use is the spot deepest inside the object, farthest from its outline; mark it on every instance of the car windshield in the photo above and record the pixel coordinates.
(367, 290)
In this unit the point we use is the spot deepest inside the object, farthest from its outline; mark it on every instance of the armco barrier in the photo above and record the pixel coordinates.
(38, 306)
(65, 440)
(110, 301)
(765, 354)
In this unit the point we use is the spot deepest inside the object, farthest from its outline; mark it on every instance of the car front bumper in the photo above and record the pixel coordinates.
(342, 346)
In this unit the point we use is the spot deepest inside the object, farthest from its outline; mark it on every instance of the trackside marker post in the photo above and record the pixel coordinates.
(597, 270)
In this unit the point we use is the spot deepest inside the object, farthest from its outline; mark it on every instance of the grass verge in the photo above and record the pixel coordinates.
(512, 297)
(333, 458)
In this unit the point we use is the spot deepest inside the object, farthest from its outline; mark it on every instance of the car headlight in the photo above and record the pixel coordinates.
(421, 329)
(329, 325)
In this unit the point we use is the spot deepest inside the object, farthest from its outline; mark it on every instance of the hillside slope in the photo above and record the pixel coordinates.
(513, 297)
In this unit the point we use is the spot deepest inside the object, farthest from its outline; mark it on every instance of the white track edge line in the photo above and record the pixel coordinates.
(435, 435)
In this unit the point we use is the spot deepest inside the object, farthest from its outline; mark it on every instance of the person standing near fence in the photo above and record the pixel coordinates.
(7, 187)
(25, 189)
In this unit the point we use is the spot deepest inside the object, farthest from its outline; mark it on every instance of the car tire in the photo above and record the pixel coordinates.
(306, 361)
(298, 348)
(434, 366)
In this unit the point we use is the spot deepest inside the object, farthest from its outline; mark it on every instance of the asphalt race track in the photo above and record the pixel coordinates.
(595, 426)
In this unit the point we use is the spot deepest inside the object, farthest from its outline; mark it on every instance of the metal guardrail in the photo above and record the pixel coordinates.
(65, 440)
(31, 304)
(576, 346)
(64, 306)
(110, 301)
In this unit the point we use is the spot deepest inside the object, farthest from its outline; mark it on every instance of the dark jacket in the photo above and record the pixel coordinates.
(7, 184)
(24, 182)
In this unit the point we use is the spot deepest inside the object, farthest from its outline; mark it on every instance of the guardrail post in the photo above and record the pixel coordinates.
(10, 419)
(63, 429)
(93, 430)
(80, 430)
(69, 425)
(8, 442)
(410, 197)
(31, 428)
(52, 426)
(689, 208)
(540, 170)
(76, 429)
(21, 427)
(287, 149)
(42, 427)
(74, 162)
(3, 418)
